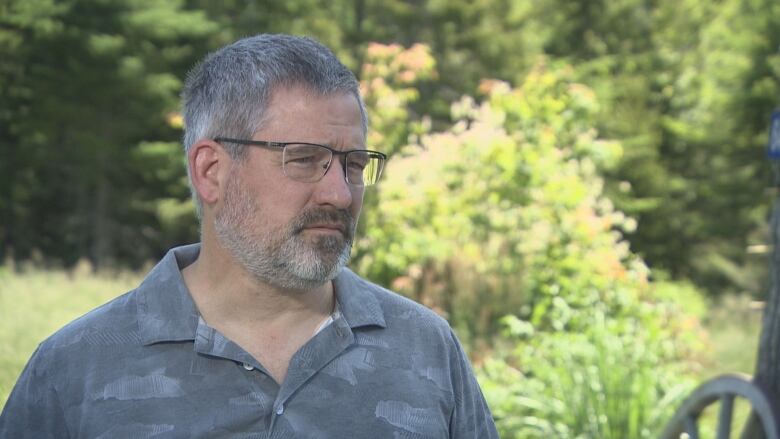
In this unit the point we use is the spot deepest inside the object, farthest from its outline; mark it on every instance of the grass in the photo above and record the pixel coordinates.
(34, 303)
(733, 325)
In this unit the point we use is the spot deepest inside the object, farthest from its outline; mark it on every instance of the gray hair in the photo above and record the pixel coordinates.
(228, 92)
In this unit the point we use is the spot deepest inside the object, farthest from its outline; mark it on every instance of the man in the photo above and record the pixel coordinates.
(259, 331)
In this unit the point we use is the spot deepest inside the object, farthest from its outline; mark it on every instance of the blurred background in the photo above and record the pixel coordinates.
(580, 187)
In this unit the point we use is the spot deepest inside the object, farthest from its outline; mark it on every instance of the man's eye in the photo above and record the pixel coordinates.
(357, 161)
(301, 160)
(357, 165)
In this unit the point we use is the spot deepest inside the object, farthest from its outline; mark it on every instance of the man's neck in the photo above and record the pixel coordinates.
(225, 293)
(269, 323)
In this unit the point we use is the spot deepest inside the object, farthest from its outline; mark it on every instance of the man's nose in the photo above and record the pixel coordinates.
(333, 188)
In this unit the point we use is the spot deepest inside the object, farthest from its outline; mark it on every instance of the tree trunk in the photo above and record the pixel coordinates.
(101, 239)
(7, 170)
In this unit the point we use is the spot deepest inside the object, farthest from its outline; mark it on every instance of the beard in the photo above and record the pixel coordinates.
(282, 257)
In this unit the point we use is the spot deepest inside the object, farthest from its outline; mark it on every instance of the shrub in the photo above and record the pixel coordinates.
(500, 222)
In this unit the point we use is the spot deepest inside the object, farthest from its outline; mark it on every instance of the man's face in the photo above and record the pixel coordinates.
(291, 234)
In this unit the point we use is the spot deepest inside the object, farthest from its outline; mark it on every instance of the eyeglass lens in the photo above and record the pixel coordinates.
(311, 162)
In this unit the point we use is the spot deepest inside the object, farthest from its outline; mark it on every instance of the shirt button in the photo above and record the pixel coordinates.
(280, 409)
(248, 366)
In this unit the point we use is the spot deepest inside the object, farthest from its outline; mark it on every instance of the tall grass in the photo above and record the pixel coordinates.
(599, 384)
(34, 303)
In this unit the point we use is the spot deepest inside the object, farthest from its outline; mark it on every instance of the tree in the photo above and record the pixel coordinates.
(92, 84)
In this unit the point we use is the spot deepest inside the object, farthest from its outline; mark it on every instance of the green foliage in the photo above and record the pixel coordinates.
(614, 380)
(93, 82)
(504, 212)
(684, 86)
(390, 77)
(674, 79)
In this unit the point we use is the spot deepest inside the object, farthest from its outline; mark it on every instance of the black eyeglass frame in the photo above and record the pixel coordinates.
(334, 152)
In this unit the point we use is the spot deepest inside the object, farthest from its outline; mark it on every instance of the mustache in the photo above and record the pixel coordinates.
(333, 216)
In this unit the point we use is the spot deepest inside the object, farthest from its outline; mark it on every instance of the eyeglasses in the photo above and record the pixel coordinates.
(309, 162)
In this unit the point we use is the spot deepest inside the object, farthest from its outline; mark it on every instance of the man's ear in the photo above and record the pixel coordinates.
(208, 162)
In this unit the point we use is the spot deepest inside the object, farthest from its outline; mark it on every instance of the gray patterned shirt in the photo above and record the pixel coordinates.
(146, 365)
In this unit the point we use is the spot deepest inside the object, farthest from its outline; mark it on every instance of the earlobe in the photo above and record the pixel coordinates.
(205, 159)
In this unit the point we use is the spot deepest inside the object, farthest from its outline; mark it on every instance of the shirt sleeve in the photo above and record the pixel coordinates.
(33, 409)
(471, 416)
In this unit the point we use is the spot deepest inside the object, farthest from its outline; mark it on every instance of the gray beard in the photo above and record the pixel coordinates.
(283, 258)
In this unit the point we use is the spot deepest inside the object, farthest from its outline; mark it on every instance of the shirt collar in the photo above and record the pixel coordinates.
(165, 308)
(168, 313)
(357, 301)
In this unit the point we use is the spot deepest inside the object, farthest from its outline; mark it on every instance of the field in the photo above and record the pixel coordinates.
(35, 303)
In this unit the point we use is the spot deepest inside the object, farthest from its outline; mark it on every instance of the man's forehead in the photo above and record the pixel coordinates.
(297, 101)
(301, 93)
(305, 113)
